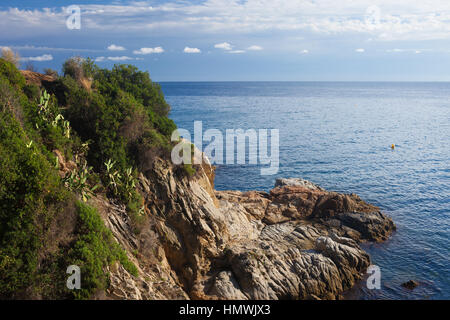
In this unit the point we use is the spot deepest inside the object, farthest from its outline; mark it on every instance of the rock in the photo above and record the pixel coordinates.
(372, 226)
(298, 241)
(411, 284)
(259, 245)
(64, 166)
(36, 78)
(225, 286)
(296, 182)
(289, 261)
(156, 278)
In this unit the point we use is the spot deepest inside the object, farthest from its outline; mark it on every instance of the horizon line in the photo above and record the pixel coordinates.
(343, 81)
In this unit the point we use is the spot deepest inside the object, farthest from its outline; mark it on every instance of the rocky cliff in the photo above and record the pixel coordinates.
(182, 239)
(298, 241)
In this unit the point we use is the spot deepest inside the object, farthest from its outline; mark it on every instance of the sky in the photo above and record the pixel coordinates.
(239, 40)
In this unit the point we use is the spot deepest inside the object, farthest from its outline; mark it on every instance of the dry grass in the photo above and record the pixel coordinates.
(85, 83)
(11, 56)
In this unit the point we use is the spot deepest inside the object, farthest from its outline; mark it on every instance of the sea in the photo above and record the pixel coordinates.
(340, 136)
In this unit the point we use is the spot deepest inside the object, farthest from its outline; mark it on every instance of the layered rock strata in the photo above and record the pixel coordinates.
(297, 241)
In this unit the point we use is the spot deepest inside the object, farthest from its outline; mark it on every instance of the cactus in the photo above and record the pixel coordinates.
(76, 180)
(66, 127)
(57, 119)
(43, 106)
(120, 184)
(129, 183)
(113, 177)
(47, 115)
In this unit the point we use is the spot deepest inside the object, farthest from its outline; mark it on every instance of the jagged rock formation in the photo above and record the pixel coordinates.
(297, 242)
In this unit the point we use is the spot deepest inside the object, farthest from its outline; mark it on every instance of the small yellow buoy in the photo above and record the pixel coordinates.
(392, 146)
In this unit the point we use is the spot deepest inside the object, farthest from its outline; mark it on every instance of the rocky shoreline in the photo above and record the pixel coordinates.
(297, 241)
(183, 239)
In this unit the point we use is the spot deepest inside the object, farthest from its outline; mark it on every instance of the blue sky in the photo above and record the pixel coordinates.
(232, 40)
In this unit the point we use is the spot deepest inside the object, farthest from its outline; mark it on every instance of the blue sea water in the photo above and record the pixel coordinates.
(338, 135)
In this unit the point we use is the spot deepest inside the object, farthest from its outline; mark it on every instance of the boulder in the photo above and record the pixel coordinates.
(411, 284)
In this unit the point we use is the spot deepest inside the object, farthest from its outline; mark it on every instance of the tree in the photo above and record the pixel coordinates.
(51, 72)
(73, 67)
(30, 67)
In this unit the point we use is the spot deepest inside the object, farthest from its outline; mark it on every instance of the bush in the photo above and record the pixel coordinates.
(121, 116)
(189, 170)
(9, 100)
(29, 189)
(9, 71)
(94, 250)
(50, 72)
(73, 67)
(42, 228)
(136, 212)
(32, 91)
(137, 83)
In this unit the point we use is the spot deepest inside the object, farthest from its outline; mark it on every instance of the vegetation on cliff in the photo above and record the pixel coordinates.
(109, 124)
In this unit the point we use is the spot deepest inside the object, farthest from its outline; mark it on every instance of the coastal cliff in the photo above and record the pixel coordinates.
(86, 180)
(297, 242)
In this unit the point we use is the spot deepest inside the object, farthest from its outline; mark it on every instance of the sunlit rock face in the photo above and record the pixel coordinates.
(298, 241)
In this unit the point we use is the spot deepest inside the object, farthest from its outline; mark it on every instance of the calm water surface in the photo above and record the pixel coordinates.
(339, 135)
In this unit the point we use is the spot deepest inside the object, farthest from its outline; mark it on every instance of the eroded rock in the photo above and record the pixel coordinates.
(298, 241)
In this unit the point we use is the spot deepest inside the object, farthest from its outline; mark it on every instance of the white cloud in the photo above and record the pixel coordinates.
(360, 50)
(44, 48)
(224, 46)
(120, 58)
(44, 57)
(113, 47)
(191, 50)
(395, 50)
(304, 51)
(237, 51)
(398, 20)
(149, 50)
(406, 50)
(255, 48)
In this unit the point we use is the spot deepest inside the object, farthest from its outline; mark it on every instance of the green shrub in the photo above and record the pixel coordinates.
(73, 67)
(137, 83)
(10, 100)
(50, 72)
(29, 189)
(189, 170)
(10, 72)
(122, 119)
(32, 91)
(77, 180)
(136, 212)
(94, 250)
